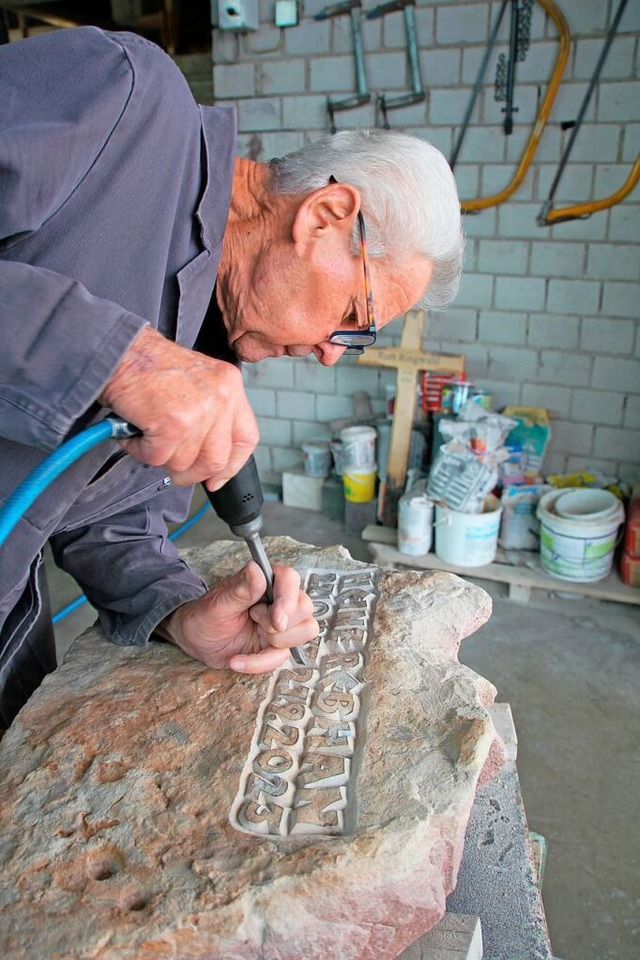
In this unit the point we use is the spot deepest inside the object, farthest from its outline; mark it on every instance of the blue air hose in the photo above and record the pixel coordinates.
(46, 472)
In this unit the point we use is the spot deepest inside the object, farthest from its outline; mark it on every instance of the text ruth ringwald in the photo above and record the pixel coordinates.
(296, 778)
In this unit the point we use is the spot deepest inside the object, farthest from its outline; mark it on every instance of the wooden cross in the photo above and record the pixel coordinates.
(409, 359)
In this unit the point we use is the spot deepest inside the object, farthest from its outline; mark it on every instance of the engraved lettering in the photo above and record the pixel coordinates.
(272, 761)
(262, 818)
(319, 811)
(284, 735)
(332, 702)
(320, 770)
(296, 779)
(289, 711)
(273, 786)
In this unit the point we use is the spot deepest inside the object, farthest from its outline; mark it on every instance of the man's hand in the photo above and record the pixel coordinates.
(230, 627)
(192, 410)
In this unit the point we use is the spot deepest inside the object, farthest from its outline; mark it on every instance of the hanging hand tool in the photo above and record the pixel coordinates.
(548, 216)
(519, 37)
(564, 46)
(417, 94)
(352, 7)
(506, 73)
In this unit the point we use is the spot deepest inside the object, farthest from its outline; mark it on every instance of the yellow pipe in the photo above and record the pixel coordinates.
(564, 41)
(592, 206)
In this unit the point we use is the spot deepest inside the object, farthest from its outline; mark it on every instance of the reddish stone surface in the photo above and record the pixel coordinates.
(118, 778)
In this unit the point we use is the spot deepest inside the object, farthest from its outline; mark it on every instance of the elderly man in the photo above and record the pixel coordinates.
(138, 258)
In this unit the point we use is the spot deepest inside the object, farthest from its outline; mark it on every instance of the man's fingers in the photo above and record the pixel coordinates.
(241, 591)
(296, 637)
(264, 662)
(192, 410)
(289, 603)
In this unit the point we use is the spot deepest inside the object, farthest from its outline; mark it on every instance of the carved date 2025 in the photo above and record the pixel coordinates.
(296, 778)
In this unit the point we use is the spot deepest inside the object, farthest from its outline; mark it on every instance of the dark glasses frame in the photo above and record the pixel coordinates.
(356, 340)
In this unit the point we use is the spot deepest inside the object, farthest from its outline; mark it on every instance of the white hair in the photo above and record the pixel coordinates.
(408, 196)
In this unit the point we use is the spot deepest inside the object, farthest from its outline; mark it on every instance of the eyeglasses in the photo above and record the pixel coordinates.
(356, 340)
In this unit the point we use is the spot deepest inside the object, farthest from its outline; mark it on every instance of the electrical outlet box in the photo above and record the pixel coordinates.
(286, 13)
(238, 15)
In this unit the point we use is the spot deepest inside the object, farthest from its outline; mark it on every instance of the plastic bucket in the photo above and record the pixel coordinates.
(317, 458)
(468, 539)
(415, 524)
(578, 532)
(359, 483)
(358, 447)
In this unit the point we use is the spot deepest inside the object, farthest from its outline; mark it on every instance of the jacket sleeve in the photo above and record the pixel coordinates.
(128, 569)
(59, 344)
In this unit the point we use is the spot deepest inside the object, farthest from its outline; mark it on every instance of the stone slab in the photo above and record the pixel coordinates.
(150, 807)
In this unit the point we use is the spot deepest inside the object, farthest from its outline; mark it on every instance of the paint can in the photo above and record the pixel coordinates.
(415, 523)
(579, 532)
(317, 458)
(358, 447)
(359, 483)
(468, 539)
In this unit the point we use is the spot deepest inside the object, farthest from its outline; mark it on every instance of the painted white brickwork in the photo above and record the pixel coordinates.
(547, 316)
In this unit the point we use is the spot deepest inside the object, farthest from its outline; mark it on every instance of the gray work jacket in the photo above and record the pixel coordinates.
(114, 196)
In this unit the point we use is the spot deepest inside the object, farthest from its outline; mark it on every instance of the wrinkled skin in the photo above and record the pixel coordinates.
(231, 627)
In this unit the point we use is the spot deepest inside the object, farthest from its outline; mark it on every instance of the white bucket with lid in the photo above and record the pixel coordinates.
(468, 539)
(358, 447)
(579, 532)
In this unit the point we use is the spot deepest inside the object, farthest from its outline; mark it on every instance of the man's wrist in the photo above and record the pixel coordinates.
(167, 627)
(139, 353)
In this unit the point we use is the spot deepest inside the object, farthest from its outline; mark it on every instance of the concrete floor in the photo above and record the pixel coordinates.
(570, 668)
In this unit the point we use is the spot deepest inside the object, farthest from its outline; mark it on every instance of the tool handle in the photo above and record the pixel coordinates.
(240, 500)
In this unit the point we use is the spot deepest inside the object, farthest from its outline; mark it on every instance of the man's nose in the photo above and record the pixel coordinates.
(328, 353)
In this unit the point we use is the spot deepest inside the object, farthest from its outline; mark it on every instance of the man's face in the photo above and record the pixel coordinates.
(294, 303)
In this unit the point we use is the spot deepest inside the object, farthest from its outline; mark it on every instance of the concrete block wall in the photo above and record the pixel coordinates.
(546, 316)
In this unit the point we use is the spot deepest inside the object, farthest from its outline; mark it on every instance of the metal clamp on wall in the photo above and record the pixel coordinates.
(352, 7)
(417, 94)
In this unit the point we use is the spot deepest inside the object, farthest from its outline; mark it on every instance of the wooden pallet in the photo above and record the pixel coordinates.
(520, 569)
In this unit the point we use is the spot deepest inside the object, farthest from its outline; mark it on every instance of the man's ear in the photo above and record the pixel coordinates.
(332, 207)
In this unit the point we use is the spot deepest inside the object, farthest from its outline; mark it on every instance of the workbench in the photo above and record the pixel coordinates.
(519, 569)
